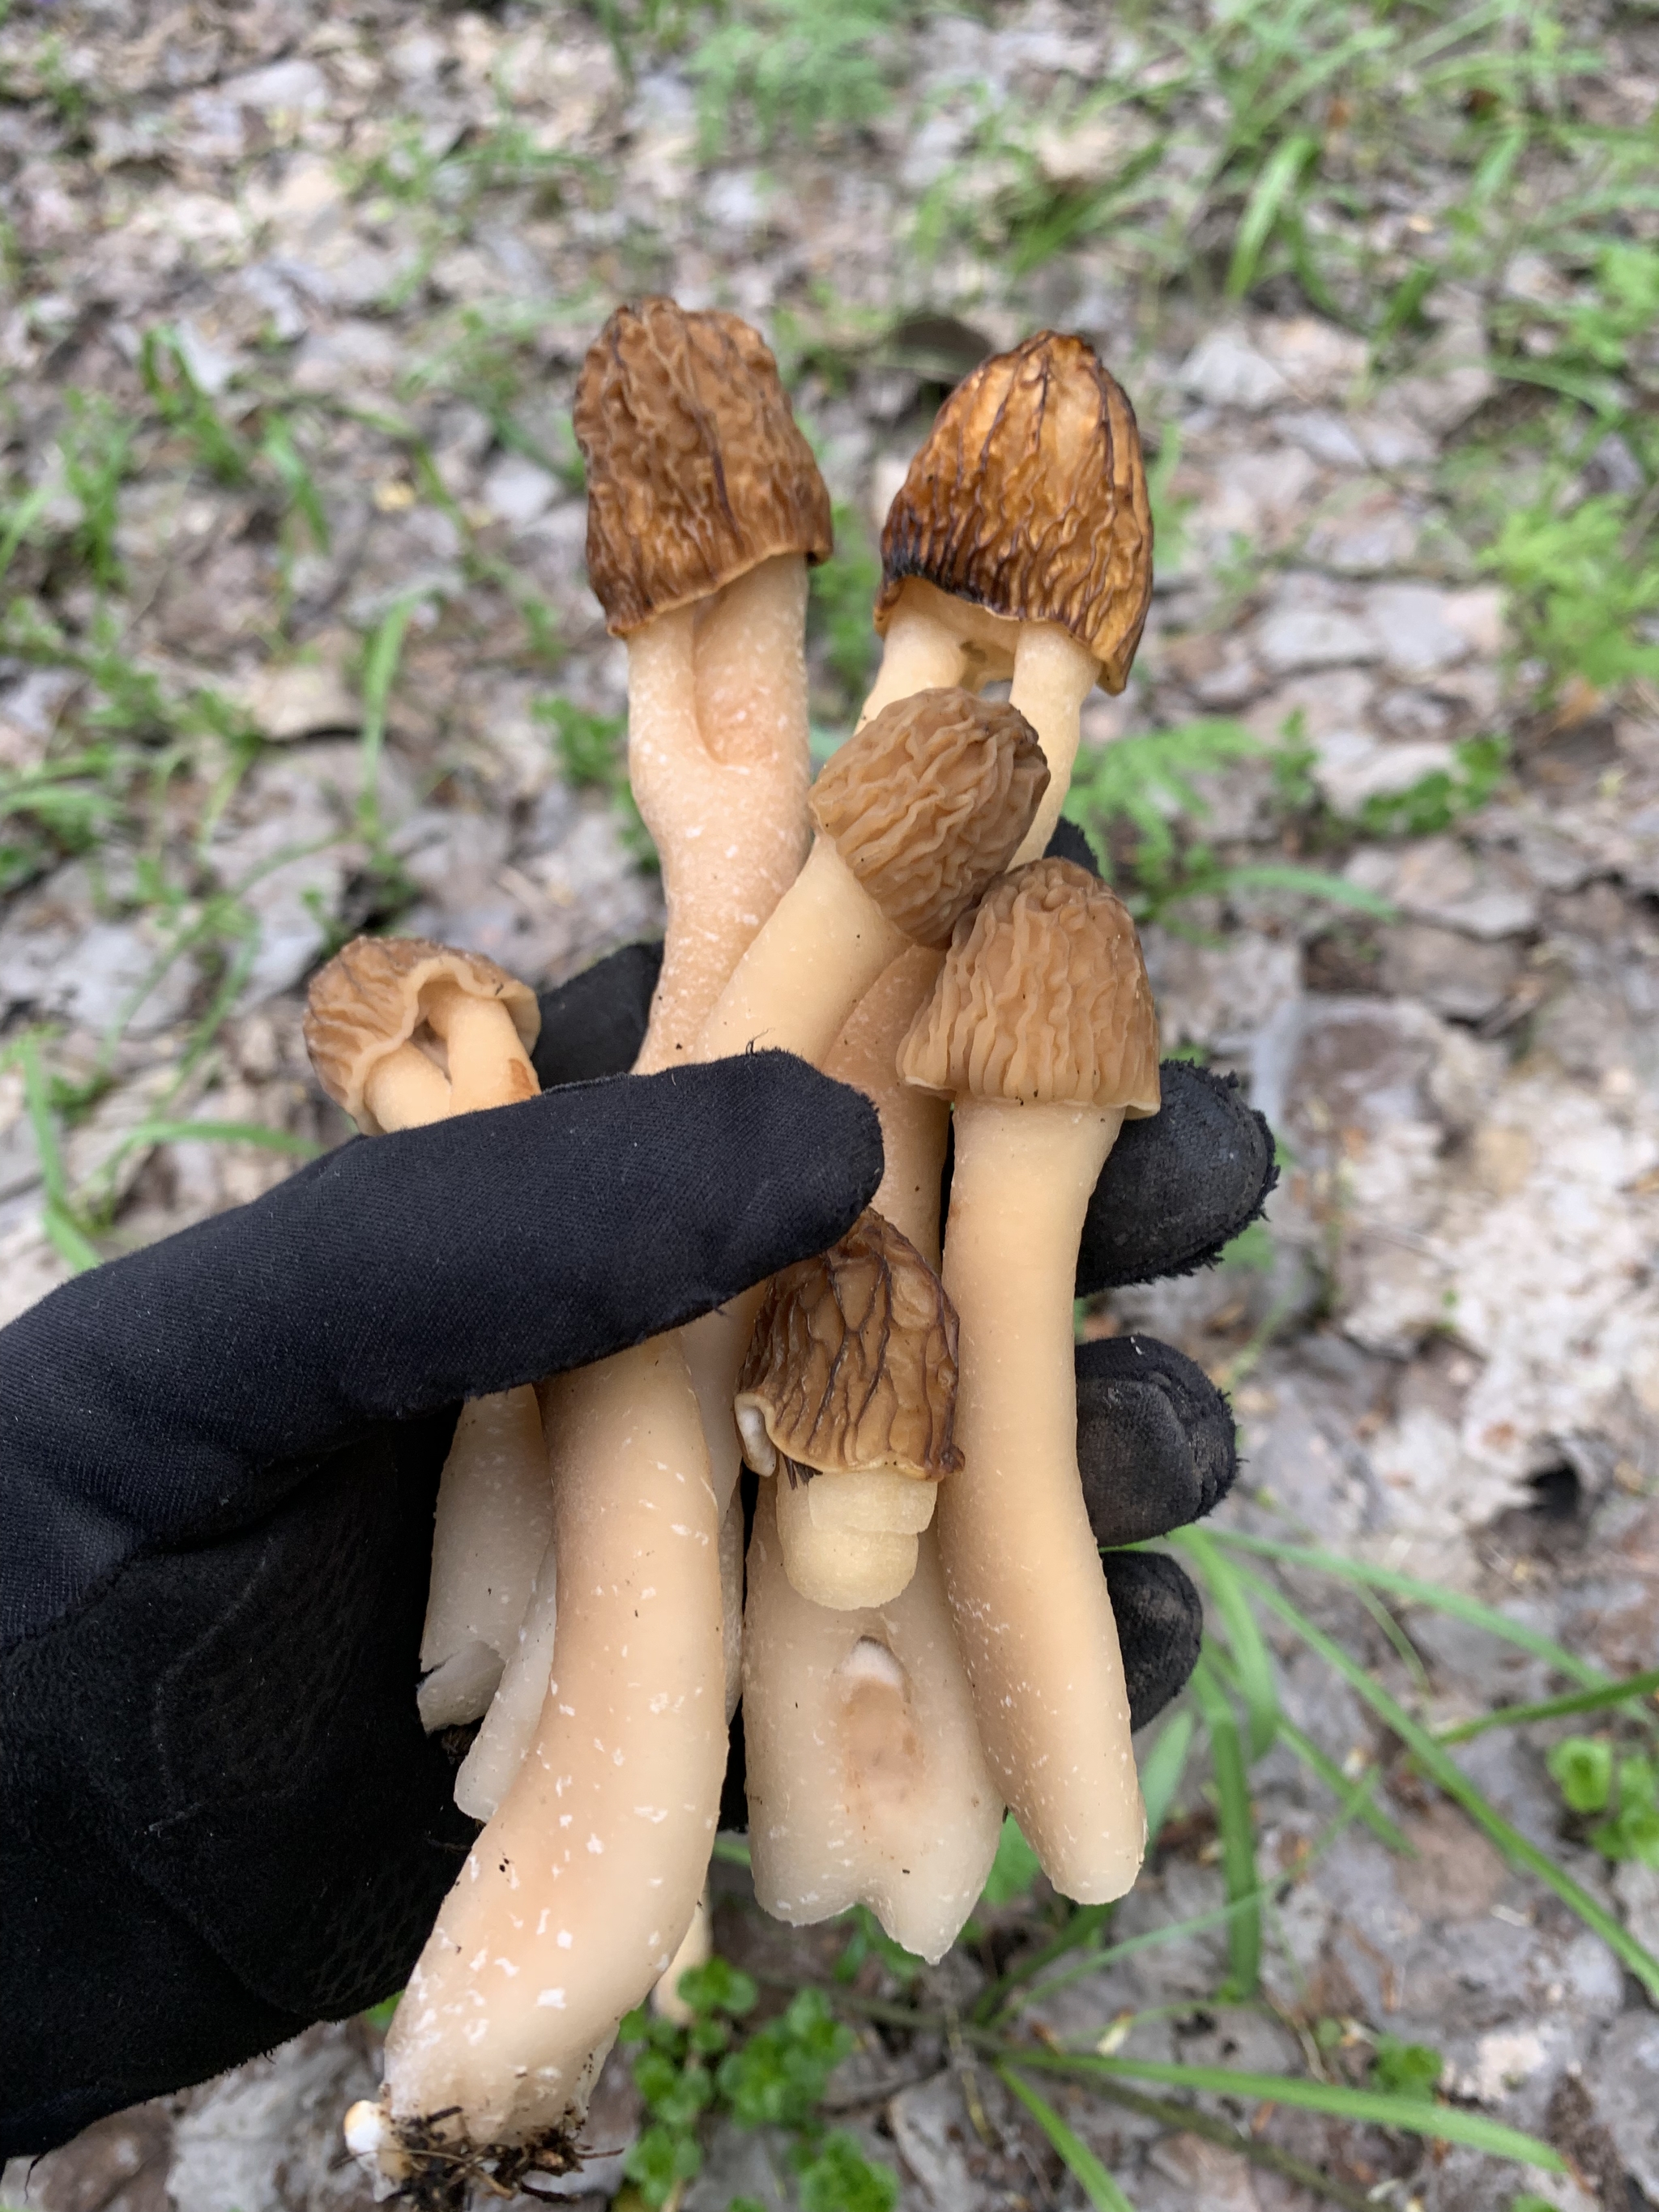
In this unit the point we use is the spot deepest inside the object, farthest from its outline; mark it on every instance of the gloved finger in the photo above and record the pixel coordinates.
(396, 1276)
(1160, 1627)
(1155, 1441)
(1177, 1186)
(594, 1024)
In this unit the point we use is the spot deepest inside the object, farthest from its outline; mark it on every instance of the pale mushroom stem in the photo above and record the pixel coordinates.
(569, 1908)
(492, 1513)
(913, 1124)
(1029, 1599)
(918, 654)
(406, 1089)
(488, 1063)
(795, 986)
(1053, 676)
(718, 758)
(866, 1781)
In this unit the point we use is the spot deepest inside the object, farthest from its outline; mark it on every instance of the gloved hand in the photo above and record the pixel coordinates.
(218, 1463)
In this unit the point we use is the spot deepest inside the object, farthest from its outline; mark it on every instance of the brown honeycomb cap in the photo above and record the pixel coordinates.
(1042, 999)
(853, 1363)
(1029, 499)
(696, 469)
(929, 802)
(373, 996)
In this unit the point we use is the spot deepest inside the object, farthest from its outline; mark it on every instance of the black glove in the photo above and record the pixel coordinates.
(218, 1461)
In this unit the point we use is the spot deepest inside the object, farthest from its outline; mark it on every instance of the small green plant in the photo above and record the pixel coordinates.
(843, 592)
(795, 66)
(1406, 2069)
(1594, 1777)
(1130, 795)
(1441, 798)
(774, 2078)
(97, 449)
(593, 755)
(1584, 584)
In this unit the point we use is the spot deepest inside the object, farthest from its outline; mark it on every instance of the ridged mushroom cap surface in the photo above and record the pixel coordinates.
(928, 803)
(1029, 499)
(852, 1362)
(1042, 999)
(374, 995)
(696, 469)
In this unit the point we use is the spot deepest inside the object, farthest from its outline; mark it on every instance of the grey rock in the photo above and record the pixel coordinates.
(1624, 2082)
(1366, 536)
(516, 491)
(1354, 765)
(1456, 976)
(1293, 638)
(1224, 370)
(267, 2136)
(1412, 629)
(1324, 437)
(1439, 879)
(1219, 996)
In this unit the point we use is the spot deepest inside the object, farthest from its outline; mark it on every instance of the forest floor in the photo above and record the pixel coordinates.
(295, 639)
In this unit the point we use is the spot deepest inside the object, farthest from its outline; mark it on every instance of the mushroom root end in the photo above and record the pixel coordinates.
(434, 2165)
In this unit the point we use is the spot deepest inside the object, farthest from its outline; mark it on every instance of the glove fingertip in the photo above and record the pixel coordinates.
(1160, 1626)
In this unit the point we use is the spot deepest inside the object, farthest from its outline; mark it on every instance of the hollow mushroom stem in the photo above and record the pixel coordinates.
(381, 1016)
(866, 1781)
(1041, 1030)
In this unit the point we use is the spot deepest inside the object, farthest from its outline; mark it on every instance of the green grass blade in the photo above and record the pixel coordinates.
(1162, 1769)
(1079, 2162)
(385, 651)
(1581, 1701)
(1251, 1661)
(1449, 1777)
(1343, 1789)
(22, 518)
(1410, 1586)
(1370, 2107)
(1310, 883)
(1237, 1823)
(1278, 177)
(66, 1238)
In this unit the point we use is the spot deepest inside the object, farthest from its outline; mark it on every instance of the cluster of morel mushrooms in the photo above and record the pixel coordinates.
(920, 1633)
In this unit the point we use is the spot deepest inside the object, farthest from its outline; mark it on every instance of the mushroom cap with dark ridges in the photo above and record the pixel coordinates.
(371, 998)
(853, 1363)
(1042, 1000)
(928, 803)
(697, 469)
(1029, 499)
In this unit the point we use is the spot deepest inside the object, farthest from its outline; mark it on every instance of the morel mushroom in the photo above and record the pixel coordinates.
(1020, 544)
(402, 1032)
(916, 815)
(1041, 1030)
(704, 506)
(866, 1781)
(847, 1397)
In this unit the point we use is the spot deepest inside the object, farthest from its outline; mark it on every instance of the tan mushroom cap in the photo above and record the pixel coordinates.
(853, 1363)
(697, 469)
(1029, 499)
(1044, 997)
(372, 997)
(928, 803)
